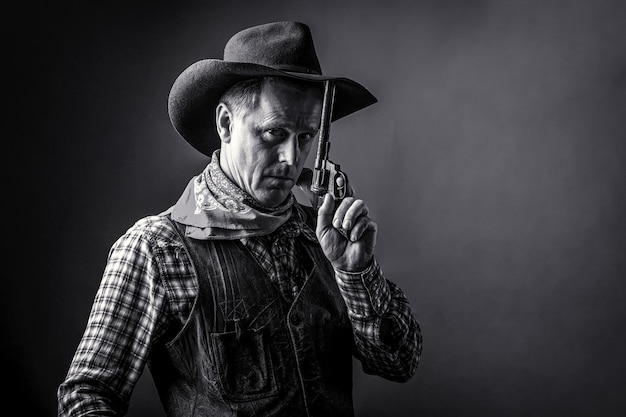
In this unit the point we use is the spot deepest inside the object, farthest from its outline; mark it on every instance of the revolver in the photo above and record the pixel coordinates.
(327, 176)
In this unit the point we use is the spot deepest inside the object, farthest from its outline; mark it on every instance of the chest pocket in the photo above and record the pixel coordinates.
(244, 364)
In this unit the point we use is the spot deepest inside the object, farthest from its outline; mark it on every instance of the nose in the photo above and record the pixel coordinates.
(289, 151)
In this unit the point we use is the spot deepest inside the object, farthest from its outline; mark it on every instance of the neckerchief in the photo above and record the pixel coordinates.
(213, 207)
(225, 211)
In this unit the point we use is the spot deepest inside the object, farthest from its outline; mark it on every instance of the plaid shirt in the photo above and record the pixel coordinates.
(134, 309)
(277, 254)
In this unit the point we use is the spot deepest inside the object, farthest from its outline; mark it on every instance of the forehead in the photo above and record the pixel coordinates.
(290, 96)
(282, 101)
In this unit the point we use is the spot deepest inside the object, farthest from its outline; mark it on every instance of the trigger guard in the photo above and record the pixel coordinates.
(340, 191)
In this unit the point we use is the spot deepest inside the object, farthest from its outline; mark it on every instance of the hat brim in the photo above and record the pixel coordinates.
(196, 92)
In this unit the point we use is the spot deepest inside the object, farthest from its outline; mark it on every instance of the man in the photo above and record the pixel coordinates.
(241, 300)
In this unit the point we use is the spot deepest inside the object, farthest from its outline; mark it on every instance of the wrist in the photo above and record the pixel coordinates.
(366, 293)
(355, 269)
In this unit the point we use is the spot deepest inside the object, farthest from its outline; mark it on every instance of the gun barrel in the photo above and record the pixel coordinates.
(327, 112)
(320, 176)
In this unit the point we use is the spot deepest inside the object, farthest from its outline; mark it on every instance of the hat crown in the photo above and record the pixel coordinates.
(286, 46)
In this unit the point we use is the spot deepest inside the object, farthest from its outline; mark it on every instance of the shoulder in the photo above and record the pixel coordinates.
(150, 232)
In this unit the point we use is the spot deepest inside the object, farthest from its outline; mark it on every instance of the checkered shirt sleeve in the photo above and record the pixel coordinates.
(387, 336)
(130, 311)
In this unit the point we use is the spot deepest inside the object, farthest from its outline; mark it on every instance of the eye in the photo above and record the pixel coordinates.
(307, 136)
(274, 134)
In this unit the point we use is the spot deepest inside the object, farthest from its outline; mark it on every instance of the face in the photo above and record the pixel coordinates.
(264, 148)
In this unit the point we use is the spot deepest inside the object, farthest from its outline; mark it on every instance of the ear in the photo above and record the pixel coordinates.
(224, 122)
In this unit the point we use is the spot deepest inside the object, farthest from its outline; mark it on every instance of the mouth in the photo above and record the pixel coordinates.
(278, 179)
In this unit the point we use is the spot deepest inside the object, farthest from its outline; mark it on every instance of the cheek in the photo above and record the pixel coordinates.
(259, 161)
(304, 153)
(250, 155)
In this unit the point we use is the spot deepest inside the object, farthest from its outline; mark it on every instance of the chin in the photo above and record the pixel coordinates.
(272, 198)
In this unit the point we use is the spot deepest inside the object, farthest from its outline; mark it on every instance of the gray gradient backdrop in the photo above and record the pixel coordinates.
(494, 163)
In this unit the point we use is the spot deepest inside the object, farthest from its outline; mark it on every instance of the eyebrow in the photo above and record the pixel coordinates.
(310, 122)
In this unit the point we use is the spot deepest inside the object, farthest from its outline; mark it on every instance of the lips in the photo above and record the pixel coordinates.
(281, 178)
(286, 174)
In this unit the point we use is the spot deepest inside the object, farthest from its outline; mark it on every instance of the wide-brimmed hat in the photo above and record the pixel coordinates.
(283, 49)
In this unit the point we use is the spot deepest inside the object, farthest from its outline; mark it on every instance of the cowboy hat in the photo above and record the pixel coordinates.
(283, 49)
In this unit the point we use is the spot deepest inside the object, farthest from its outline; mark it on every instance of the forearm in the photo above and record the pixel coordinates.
(101, 376)
(387, 336)
(81, 396)
(124, 321)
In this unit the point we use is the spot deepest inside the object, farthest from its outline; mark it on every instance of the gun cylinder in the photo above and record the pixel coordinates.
(319, 183)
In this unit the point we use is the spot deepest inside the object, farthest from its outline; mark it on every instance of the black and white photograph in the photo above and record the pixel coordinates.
(315, 208)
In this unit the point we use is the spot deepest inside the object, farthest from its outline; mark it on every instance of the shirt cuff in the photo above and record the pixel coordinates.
(366, 293)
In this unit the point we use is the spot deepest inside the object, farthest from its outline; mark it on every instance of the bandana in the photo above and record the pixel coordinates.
(223, 210)
(212, 207)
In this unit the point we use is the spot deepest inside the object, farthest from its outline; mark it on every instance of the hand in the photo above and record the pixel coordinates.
(347, 235)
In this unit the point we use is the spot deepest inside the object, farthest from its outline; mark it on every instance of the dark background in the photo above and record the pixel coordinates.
(494, 163)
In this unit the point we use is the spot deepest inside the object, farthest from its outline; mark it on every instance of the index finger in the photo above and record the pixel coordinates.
(326, 211)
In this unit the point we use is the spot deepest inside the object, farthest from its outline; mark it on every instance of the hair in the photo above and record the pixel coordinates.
(244, 95)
